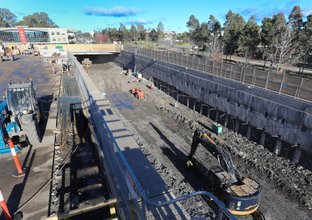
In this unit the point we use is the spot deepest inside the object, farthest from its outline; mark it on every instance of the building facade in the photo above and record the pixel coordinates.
(30, 35)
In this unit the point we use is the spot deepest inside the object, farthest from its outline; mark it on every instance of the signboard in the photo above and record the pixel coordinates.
(21, 33)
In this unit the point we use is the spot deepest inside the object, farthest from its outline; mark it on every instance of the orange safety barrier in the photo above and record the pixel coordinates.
(16, 160)
(4, 207)
(140, 94)
(137, 92)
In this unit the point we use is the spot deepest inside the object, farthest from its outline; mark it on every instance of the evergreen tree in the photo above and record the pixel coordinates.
(199, 33)
(305, 41)
(160, 31)
(133, 33)
(266, 36)
(7, 18)
(249, 38)
(233, 27)
(37, 19)
(153, 34)
(295, 19)
(141, 31)
(214, 45)
(123, 33)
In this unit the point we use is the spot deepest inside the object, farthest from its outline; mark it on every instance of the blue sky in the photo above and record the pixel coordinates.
(90, 15)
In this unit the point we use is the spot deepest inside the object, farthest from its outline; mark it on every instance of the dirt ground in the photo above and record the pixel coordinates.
(165, 132)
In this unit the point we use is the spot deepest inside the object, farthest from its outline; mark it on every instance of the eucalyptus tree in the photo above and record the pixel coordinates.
(37, 19)
(233, 27)
(249, 38)
(199, 32)
(160, 31)
(214, 44)
(133, 33)
(7, 18)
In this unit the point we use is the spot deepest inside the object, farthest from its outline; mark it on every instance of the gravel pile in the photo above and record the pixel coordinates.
(196, 206)
(293, 180)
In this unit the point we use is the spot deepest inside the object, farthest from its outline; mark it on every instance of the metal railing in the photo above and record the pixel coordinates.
(131, 197)
(294, 86)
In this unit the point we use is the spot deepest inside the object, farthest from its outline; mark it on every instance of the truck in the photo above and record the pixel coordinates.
(20, 115)
(241, 195)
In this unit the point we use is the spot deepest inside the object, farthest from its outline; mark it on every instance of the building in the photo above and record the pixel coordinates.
(31, 35)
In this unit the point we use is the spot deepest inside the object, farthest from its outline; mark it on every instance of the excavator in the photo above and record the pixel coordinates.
(241, 195)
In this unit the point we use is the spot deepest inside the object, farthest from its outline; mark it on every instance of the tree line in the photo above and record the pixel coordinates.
(135, 33)
(37, 19)
(280, 41)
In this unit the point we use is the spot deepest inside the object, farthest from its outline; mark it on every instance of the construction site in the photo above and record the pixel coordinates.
(130, 133)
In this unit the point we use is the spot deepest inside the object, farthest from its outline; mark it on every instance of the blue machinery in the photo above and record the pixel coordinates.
(132, 199)
(10, 127)
(3, 106)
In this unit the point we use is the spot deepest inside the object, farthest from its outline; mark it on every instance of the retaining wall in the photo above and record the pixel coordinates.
(276, 114)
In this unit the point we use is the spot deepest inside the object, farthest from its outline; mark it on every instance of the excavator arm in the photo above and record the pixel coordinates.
(221, 154)
(240, 194)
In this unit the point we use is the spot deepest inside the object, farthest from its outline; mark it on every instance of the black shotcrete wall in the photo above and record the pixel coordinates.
(286, 118)
(100, 58)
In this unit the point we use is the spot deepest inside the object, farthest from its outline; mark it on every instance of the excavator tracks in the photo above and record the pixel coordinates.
(257, 215)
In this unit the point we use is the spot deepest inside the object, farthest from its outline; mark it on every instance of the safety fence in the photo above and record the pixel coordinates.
(132, 199)
(284, 84)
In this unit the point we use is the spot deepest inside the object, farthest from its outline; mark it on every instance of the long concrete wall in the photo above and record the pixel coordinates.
(287, 118)
(85, 47)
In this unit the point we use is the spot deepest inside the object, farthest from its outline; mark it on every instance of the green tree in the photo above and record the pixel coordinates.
(283, 49)
(112, 33)
(295, 19)
(200, 36)
(183, 37)
(305, 41)
(233, 27)
(199, 33)
(192, 23)
(83, 37)
(195, 31)
(249, 38)
(214, 44)
(141, 31)
(279, 26)
(38, 19)
(123, 33)
(7, 18)
(266, 36)
(160, 31)
(154, 35)
(133, 33)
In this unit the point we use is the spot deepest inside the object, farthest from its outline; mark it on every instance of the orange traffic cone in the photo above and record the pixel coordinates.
(16, 160)
(4, 207)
